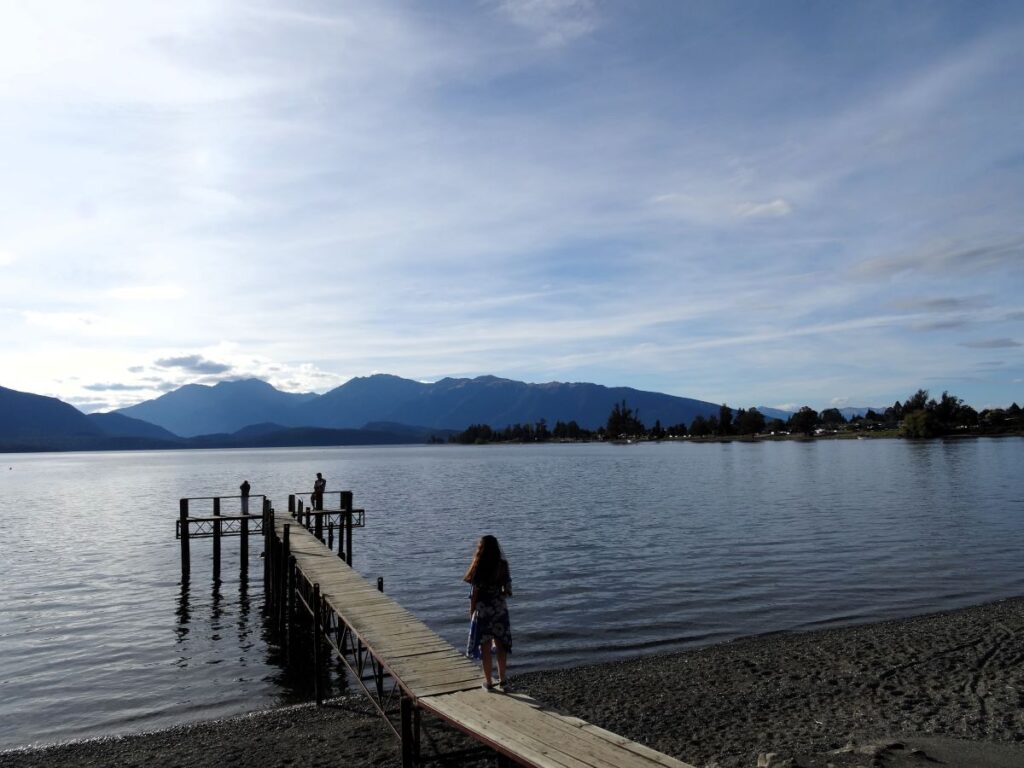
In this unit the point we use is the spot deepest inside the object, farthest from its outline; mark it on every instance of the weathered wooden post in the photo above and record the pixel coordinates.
(378, 671)
(186, 562)
(266, 549)
(291, 504)
(268, 553)
(345, 503)
(330, 535)
(348, 536)
(407, 749)
(216, 539)
(317, 654)
(244, 547)
(290, 629)
(318, 525)
(286, 557)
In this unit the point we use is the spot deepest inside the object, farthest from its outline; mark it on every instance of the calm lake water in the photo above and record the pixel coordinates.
(615, 551)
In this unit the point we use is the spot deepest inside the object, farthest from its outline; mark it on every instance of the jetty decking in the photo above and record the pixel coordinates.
(377, 638)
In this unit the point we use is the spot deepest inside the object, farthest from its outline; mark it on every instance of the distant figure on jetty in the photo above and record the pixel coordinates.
(319, 486)
(244, 488)
(489, 623)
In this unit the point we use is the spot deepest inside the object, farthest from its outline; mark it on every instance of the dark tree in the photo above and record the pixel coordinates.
(750, 422)
(623, 421)
(916, 402)
(541, 432)
(724, 420)
(832, 417)
(804, 421)
(920, 423)
(699, 426)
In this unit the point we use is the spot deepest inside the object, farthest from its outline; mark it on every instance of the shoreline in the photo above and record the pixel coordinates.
(949, 684)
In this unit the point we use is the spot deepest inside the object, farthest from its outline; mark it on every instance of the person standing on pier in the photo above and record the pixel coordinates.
(319, 486)
(244, 488)
(489, 624)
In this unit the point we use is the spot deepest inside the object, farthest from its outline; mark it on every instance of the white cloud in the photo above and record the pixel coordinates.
(774, 209)
(147, 292)
(81, 323)
(6, 258)
(555, 22)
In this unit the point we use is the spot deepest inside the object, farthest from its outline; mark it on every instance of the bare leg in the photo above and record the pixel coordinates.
(485, 660)
(502, 658)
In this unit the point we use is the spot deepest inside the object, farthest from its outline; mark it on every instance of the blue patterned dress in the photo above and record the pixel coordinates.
(490, 619)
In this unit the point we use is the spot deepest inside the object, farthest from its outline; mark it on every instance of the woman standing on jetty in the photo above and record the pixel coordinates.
(489, 575)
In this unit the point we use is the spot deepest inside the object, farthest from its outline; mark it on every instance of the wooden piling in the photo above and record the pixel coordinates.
(290, 601)
(216, 539)
(348, 536)
(407, 747)
(317, 651)
(243, 551)
(286, 557)
(318, 526)
(186, 561)
(330, 535)
(380, 583)
(291, 504)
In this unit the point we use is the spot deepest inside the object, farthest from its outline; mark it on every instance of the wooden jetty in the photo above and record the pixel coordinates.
(411, 670)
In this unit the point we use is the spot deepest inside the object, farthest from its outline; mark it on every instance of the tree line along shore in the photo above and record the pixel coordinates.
(920, 416)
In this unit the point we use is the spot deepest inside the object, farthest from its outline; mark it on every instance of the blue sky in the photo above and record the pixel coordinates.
(756, 203)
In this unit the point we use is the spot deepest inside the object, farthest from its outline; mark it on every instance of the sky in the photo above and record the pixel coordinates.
(757, 203)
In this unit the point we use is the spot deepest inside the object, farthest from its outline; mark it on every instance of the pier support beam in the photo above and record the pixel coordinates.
(243, 552)
(186, 560)
(408, 751)
(216, 540)
(317, 650)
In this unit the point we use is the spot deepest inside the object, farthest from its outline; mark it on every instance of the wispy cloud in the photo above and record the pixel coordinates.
(1003, 343)
(773, 209)
(115, 387)
(192, 364)
(943, 260)
(147, 292)
(554, 22)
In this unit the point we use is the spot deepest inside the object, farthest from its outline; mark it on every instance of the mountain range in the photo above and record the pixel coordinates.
(378, 409)
(374, 409)
(451, 404)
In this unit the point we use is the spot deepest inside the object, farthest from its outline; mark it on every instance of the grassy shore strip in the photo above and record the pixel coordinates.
(948, 686)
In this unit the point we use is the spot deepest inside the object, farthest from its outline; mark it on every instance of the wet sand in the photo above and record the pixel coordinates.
(944, 689)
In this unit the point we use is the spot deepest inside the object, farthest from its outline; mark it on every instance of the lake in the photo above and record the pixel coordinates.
(615, 551)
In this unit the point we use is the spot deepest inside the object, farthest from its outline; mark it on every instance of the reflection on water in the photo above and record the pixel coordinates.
(615, 551)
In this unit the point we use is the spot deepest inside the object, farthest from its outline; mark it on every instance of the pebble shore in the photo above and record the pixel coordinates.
(946, 687)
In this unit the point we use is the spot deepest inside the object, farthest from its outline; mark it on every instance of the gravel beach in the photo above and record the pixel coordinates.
(943, 689)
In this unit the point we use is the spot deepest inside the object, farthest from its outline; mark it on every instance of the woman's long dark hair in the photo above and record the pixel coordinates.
(486, 565)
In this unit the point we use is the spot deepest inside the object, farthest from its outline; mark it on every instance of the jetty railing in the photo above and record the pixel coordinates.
(217, 525)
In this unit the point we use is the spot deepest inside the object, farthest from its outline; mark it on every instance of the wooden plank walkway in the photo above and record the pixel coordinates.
(440, 680)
